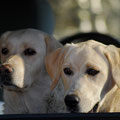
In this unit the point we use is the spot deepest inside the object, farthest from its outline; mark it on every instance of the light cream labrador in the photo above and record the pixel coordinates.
(90, 72)
(22, 72)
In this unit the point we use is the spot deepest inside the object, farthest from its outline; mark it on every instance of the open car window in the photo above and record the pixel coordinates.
(69, 22)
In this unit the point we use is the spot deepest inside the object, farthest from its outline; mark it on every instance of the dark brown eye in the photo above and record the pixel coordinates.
(91, 71)
(68, 71)
(29, 52)
(4, 51)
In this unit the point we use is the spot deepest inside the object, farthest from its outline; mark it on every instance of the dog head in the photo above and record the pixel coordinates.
(22, 57)
(89, 70)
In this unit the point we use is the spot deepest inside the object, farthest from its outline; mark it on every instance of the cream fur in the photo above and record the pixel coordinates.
(102, 87)
(31, 91)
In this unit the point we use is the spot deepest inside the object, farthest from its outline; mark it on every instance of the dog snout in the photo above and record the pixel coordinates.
(72, 101)
(6, 69)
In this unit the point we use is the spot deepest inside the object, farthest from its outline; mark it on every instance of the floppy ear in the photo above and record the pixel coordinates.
(113, 55)
(51, 43)
(53, 64)
(5, 35)
(52, 59)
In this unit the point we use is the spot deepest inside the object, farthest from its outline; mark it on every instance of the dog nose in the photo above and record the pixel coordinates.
(72, 101)
(6, 69)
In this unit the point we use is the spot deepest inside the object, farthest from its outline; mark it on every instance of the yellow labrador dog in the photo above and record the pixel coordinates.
(22, 72)
(90, 72)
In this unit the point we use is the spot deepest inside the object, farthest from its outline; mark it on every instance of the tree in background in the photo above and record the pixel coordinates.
(73, 16)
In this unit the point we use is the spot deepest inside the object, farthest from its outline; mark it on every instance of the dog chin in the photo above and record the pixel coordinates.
(73, 110)
(77, 110)
(12, 87)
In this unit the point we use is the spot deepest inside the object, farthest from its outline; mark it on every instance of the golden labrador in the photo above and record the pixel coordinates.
(90, 72)
(22, 73)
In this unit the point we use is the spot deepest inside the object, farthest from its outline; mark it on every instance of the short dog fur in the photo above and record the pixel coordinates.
(23, 76)
(90, 72)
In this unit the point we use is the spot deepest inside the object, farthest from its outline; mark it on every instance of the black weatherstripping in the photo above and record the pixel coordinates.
(75, 116)
(81, 37)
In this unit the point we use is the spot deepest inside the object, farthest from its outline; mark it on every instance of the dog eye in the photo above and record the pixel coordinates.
(91, 71)
(29, 52)
(4, 51)
(68, 71)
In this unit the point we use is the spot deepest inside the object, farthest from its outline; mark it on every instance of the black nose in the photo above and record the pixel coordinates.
(6, 69)
(72, 101)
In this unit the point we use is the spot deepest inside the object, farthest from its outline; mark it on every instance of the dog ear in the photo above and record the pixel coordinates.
(52, 59)
(5, 35)
(113, 55)
(51, 43)
(53, 64)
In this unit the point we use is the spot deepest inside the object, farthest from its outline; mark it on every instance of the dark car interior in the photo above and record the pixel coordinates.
(22, 14)
(81, 37)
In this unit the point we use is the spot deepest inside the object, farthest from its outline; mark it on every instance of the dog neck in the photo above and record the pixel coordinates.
(18, 102)
(56, 100)
(31, 101)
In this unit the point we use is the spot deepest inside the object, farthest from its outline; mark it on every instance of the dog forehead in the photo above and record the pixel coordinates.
(25, 35)
(24, 38)
(79, 55)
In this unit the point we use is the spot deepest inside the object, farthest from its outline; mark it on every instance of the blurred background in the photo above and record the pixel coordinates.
(73, 16)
